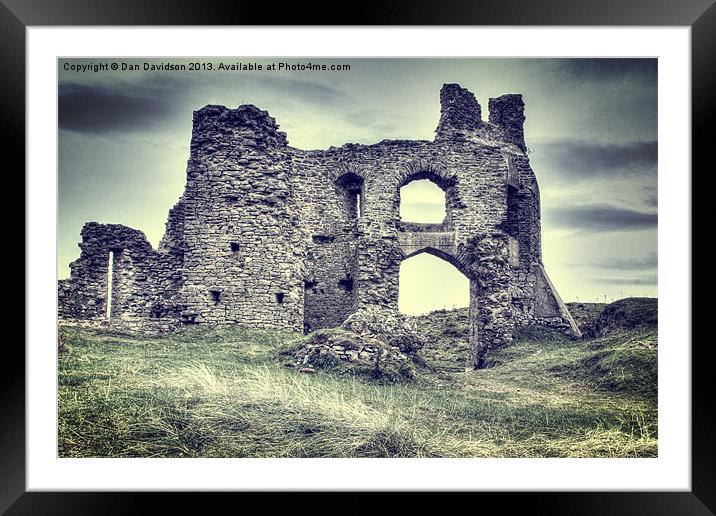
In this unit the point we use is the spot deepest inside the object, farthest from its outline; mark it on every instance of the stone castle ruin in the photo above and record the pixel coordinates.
(269, 236)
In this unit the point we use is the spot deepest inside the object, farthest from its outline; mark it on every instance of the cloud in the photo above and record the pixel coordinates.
(376, 120)
(93, 109)
(638, 263)
(307, 91)
(601, 69)
(645, 280)
(585, 160)
(599, 218)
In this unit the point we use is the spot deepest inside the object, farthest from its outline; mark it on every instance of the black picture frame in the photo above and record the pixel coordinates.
(700, 15)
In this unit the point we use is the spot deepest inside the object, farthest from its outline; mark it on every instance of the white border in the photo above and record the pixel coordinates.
(671, 470)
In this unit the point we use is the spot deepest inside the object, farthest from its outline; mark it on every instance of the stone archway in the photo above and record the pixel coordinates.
(427, 282)
(485, 262)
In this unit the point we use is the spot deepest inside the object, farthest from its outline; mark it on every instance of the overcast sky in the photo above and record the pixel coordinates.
(591, 126)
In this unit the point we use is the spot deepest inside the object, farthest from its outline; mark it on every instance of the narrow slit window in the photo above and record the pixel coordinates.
(351, 187)
(357, 203)
(279, 297)
(215, 296)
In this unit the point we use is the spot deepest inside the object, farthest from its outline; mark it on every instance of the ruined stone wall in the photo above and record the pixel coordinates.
(269, 236)
(144, 282)
(328, 203)
(244, 246)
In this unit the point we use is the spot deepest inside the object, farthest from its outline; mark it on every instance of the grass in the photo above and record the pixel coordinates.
(226, 393)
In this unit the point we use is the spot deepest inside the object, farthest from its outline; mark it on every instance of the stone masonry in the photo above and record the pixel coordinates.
(269, 236)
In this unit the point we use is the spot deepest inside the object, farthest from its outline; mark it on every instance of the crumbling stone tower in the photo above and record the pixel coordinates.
(270, 236)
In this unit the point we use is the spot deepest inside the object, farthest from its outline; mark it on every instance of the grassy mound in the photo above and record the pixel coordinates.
(629, 313)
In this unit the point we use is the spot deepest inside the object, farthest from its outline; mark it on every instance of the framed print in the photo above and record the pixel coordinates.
(421, 253)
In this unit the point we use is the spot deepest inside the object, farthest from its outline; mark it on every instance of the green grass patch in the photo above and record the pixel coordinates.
(225, 392)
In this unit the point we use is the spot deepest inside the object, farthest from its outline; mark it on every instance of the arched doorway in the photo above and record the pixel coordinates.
(440, 297)
(428, 282)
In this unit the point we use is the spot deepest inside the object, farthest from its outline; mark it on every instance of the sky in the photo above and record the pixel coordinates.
(591, 130)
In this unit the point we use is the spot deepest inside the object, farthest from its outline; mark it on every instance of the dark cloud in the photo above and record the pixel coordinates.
(609, 69)
(93, 109)
(599, 218)
(147, 103)
(625, 264)
(652, 200)
(584, 160)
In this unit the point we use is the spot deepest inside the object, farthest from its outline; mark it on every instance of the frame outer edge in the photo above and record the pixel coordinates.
(371, 12)
(12, 136)
(703, 93)
(12, 397)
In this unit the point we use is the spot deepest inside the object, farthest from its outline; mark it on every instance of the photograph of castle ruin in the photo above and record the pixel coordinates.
(273, 313)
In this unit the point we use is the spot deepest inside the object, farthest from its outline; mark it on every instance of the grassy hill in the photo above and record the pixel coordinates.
(227, 392)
